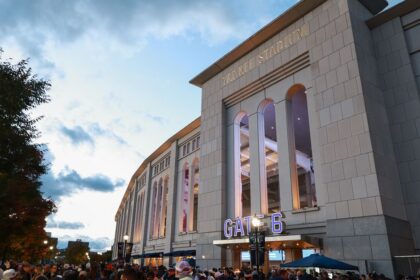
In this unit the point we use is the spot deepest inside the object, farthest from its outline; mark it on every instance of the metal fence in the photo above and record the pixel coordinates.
(407, 265)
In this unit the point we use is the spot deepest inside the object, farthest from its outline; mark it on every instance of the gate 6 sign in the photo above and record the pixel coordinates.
(240, 227)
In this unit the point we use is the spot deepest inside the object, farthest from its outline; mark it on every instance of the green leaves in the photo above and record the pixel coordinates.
(23, 209)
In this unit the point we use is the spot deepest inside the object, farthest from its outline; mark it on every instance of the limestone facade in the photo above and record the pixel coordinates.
(360, 73)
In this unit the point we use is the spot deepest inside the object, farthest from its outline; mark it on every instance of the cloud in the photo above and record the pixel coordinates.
(96, 129)
(95, 244)
(156, 118)
(69, 181)
(37, 25)
(77, 135)
(51, 223)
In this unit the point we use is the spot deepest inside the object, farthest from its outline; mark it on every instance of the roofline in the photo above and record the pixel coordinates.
(156, 153)
(278, 24)
(290, 16)
(398, 10)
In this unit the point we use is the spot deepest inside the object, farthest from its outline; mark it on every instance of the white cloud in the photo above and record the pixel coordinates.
(117, 77)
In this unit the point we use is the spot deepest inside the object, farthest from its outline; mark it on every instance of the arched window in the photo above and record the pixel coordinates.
(141, 218)
(269, 140)
(158, 209)
(242, 166)
(139, 212)
(185, 197)
(195, 183)
(164, 207)
(152, 216)
(304, 193)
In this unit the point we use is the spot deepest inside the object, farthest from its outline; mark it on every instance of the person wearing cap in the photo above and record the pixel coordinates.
(170, 274)
(26, 271)
(39, 273)
(9, 274)
(183, 270)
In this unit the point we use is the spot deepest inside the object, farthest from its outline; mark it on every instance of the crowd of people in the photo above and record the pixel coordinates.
(181, 271)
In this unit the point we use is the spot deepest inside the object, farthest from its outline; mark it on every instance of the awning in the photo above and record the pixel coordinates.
(148, 255)
(317, 260)
(300, 240)
(184, 253)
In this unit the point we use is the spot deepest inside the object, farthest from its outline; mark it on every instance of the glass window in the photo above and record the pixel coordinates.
(193, 145)
(139, 214)
(164, 208)
(196, 185)
(184, 198)
(271, 159)
(141, 217)
(188, 148)
(184, 150)
(303, 150)
(152, 217)
(158, 209)
(198, 141)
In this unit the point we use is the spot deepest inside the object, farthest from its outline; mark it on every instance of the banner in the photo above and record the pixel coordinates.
(120, 250)
(257, 243)
(128, 250)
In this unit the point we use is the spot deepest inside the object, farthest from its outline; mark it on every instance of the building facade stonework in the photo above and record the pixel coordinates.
(317, 117)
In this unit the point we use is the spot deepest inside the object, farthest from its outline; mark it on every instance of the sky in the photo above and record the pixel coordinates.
(119, 72)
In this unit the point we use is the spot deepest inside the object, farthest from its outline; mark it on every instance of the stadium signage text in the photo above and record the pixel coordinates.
(240, 227)
(267, 53)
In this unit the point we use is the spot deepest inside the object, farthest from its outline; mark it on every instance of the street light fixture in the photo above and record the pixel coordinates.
(256, 224)
(126, 237)
(45, 242)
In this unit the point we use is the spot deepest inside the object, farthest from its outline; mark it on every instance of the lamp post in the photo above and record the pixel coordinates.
(256, 224)
(50, 253)
(125, 246)
(43, 251)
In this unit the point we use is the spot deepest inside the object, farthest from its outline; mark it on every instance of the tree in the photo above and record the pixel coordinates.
(76, 252)
(23, 208)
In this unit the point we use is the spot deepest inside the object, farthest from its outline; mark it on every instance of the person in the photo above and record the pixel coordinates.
(150, 275)
(26, 271)
(170, 274)
(9, 274)
(302, 275)
(52, 274)
(69, 274)
(183, 270)
(39, 273)
(129, 274)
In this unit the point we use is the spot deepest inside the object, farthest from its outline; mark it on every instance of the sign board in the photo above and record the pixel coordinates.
(241, 227)
(120, 250)
(128, 249)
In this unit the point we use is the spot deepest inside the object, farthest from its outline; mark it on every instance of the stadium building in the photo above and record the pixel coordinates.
(313, 125)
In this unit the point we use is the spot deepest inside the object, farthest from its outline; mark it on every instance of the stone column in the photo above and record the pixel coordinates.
(171, 206)
(292, 254)
(286, 157)
(257, 161)
(236, 258)
(146, 203)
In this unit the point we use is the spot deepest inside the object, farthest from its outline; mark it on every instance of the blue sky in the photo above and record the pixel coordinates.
(119, 72)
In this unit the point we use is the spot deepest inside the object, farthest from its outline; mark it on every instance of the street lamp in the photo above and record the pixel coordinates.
(257, 223)
(125, 245)
(43, 251)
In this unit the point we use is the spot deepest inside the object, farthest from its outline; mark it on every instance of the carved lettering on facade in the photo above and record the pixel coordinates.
(287, 41)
